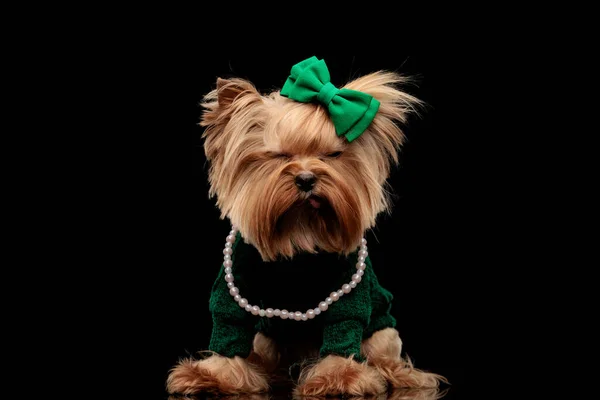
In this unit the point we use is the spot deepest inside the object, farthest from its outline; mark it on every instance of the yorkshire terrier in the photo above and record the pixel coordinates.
(301, 174)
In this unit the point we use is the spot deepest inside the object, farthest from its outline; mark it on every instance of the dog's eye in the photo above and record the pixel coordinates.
(283, 156)
(335, 154)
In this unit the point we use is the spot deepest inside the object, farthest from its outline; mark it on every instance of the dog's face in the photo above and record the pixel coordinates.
(283, 176)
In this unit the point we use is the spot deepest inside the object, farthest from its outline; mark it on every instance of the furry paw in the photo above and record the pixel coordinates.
(402, 374)
(335, 375)
(216, 374)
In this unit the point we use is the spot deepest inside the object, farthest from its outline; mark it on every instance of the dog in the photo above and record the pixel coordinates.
(301, 173)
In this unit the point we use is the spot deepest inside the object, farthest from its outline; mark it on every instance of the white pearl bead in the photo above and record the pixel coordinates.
(233, 232)
(363, 253)
(243, 303)
(233, 291)
(360, 272)
(227, 251)
(277, 312)
(346, 288)
(228, 270)
(323, 306)
(228, 263)
(364, 248)
(334, 296)
(356, 278)
(340, 292)
(284, 314)
(269, 313)
(237, 298)
(229, 278)
(297, 315)
(227, 244)
(363, 242)
(304, 317)
(262, 312)
(317, 311)
(230, 285)
(361, 265)
(328, 300)
(352, 284)
(310, 314)
(226, 257)
(255, 310)
(230, 239)
(361, 259)
(248, 308)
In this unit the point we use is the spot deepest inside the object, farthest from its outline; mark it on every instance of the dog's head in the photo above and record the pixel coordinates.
(284, 177)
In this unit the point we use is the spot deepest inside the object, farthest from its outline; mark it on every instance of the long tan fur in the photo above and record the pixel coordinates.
(257, 144)
(383, 351)
(216, 374)
(335, 375)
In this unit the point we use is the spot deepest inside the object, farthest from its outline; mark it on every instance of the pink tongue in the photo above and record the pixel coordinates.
(314, 202)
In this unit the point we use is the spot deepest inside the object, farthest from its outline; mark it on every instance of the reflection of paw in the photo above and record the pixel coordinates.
(246, 396)
(216, 374)
(335, 375)
(416, 394)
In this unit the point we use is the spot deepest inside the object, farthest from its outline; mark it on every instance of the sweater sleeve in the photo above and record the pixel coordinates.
(233, 328)
(381, 303)
(346, 319)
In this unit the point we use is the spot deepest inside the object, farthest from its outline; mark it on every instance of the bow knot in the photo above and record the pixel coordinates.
(326, 93)
(350, 111)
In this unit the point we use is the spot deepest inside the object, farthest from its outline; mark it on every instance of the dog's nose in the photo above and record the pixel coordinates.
(305, 181)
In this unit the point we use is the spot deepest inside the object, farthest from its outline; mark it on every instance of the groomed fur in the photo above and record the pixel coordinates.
(383, 351)
(264, 353)
(216, 374)
(335, 375)
(257, 145)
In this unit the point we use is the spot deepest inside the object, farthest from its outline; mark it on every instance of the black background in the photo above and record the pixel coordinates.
(420, 251)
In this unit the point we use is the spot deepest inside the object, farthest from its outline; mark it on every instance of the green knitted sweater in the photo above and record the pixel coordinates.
(297, 285)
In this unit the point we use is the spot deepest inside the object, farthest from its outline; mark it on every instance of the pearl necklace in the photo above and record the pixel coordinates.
(285, 314)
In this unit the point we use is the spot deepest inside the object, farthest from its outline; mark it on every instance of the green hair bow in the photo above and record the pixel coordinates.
(350, 111)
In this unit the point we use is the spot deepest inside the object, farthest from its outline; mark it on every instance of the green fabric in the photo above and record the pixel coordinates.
(343, 338)
(350, 111)
(347, 319)
(353, 318)
(233, 327)
(381, 303)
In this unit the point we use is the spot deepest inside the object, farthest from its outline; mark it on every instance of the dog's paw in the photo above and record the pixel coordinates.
(216, 374)
(402, 374)
(335, 375)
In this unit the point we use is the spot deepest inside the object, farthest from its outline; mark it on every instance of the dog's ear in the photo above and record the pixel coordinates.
(380, 144)
(229, 89)
(396, 106)
(230, 111)
(229, 96)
